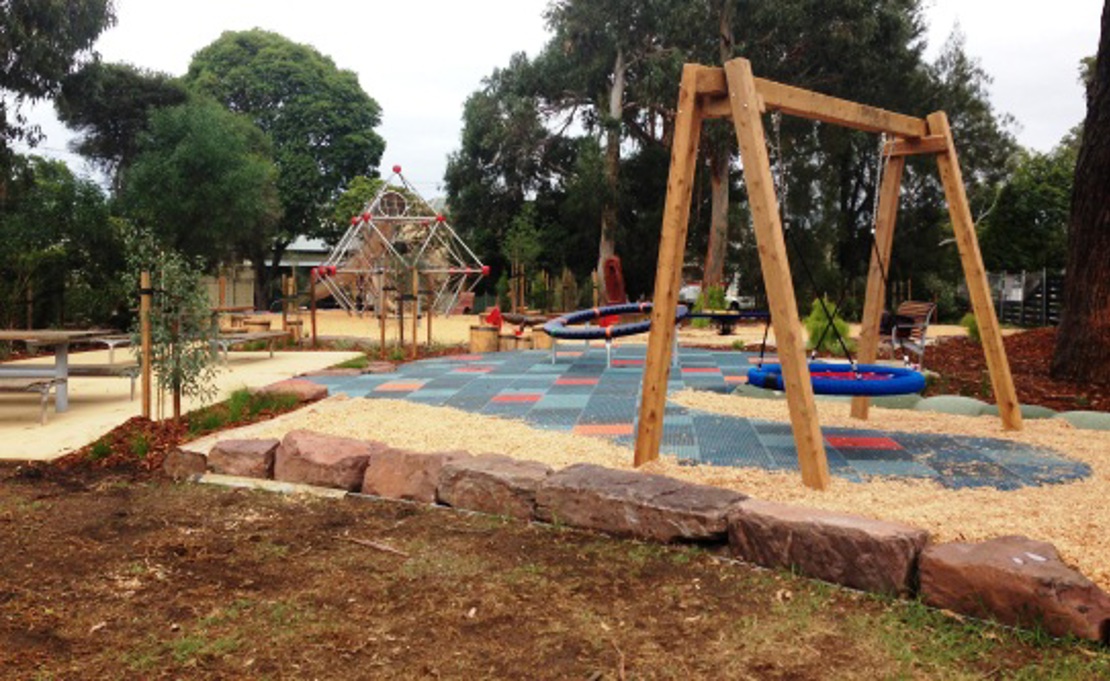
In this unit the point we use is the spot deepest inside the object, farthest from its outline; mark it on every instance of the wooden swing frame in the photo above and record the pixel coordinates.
(734, 92)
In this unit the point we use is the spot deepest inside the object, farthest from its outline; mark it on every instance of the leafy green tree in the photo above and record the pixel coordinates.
(204, 182)
(506, 155)
(182, 357)
(1083, 339)
(109, 105)
(42, 41)
(1027, 228)
(360, 191)
(53, 225)
(320, 121)
(599, 50)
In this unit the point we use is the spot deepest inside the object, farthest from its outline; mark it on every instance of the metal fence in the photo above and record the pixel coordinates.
(1027, 299)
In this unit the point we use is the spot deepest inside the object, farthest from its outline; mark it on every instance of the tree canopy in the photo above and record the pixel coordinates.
(41, 41)
(204, 182)
(109, 106)
(317, 116)
(54, 225)
(583, 132)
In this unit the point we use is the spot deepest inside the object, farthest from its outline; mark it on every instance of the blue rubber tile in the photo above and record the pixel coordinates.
(553, 401)
(546, 417)
(608, 411)
(535, 384)
(545, 368)
(775, 440)
(782, 458)
(468, 403)
(862, 454)
(901, 469)
(507, 409)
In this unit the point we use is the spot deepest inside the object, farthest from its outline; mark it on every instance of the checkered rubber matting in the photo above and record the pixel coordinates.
(579, 394)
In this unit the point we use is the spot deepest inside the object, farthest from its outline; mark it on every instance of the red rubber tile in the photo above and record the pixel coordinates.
(518, 397)
(854, 442)
(576, 381)
(603, 429)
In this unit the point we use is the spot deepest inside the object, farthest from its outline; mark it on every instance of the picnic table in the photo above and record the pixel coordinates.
(59, 340)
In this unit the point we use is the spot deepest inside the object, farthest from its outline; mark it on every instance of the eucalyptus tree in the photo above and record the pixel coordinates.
(109, 106)
(53, 225)
(601, 51)
(1083, 340)
(41, 42)
(204, 183)
(319, 119)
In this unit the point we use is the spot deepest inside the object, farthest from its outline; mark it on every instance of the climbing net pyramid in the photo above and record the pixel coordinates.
(399, 236)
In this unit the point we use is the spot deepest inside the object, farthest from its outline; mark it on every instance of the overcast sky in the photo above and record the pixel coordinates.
(420, 60)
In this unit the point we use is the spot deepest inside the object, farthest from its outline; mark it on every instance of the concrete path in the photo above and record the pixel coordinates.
(97, 405)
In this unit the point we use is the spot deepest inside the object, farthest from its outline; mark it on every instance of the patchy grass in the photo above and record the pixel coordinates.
(171, 581)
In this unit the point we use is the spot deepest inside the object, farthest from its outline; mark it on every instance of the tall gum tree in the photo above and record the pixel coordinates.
(1083, 338)
(41, 41)
(317, 116)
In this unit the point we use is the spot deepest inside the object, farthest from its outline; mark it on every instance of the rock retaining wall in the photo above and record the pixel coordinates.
(1014, 580)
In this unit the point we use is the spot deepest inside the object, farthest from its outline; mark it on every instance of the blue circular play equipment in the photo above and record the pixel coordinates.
(845, 379)
(565, 327)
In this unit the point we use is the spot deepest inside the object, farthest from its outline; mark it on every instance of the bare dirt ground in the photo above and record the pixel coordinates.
(118, 577)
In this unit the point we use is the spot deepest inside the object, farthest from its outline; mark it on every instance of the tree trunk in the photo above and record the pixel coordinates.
(718, 222)
(607, 246)
(717, 250)
(266, 273)
(1083, 338)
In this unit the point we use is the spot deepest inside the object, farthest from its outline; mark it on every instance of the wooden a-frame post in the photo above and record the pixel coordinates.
(734, 92)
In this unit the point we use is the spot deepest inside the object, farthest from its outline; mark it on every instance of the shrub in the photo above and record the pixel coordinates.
(821, 329)
(969, 322)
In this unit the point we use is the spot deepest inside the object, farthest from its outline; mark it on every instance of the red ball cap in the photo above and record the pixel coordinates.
(396, 169)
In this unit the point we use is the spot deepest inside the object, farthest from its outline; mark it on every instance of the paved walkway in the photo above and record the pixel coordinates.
(580, 395)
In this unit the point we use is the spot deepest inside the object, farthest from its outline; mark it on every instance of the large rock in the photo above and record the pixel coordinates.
(1018, 581)
(635, 504)
(492, 484)
(247, 458)
(413, 476)
(182, 464)
(323, 460)
(861, 553)
(304, 390)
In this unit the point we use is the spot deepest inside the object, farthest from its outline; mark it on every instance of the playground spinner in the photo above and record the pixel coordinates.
(733, 92)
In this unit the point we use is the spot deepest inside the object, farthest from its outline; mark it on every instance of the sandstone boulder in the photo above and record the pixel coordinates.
(1017, 581)
(861, 553)
(323, 460)
(248, 458)
(413, 476)
(635, 504)
(304, 390)
(182, 464)
(492, 484)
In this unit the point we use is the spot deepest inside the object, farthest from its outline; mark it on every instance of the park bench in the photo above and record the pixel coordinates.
(112, 370)
(908, 327)
(226, 341)
(42, 386)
